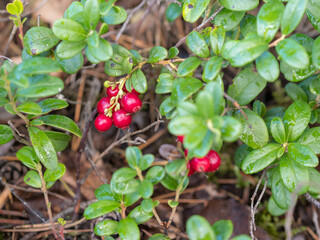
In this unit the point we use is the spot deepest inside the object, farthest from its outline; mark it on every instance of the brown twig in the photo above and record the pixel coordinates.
(313, 201)
(236, 104)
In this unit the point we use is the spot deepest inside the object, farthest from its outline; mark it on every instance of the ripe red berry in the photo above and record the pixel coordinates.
(112, 92)
(180, 139)
(103, 123)
(103, 104)
(200, 164)
(121, 119)
(191, 170)
(214, 160)
(131, 103)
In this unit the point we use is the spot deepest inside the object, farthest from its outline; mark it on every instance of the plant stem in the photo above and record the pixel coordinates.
(174, 209)
(20, 30)
(273, 44)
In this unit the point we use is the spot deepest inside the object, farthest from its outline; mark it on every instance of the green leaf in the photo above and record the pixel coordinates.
(41, 86)
(223, 229)
(241, 237)
(205, 104)
(197, 44)
(277, 130)
(188, 66)
(157, 54)
(302, 155)
(91, 13)
(198, 228)
(120, 63)
(315, 21)
(173, 52)
(115, 15)
(243, 5)
(159, 236)
(316, 53)
(261, 158)
(228, 19)
(100, 208)
(295, 92)
(173, 12)
(128, 229)
(32, 178)
(52, 104)
(268, 66)
(104, 192)
(246, 86)
(36, 65)
(281, 195)
(61, 122)
(231, 129)
(38, 40)
(217, 37)
(294, 176)
(193, 9)
(292, 15)
(176, 167)
(166, 106)
(314, 187)
(215, 88)
(165, 82)
(133, 156)
(139, 215)
(73, 9)
(259, 108)
(296, 119)
(5, 134)
(212, 69)
(311, 139)
(12, 9)
(184, 88)
(155, 174)
(102, 52)
(185, 124)
(293, 54)
(30, 108)
(246, 51)
(146, 161)
(241, 153)
(273, 208)
(66, 49)
(51, 175)
(146, 189)
(70, 65)
(269, 18)
(315, 86)
(137, 58)
(69, 30)
(28, 157)
(60, 141)
(139, 81)
(248, 25)
(43, 147)
(123, 181)
(106, 228)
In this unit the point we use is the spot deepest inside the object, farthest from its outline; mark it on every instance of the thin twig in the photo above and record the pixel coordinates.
(289, 217)
(174, 1)
(313, 201)
(315, 218)
(17, 135)
(236, 104)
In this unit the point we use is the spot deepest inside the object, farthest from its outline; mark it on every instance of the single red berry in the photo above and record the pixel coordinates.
(180, 138)
(191, 170)
(103, 104)
(214, 160)
(200, 164)
(132, 91)
(121, 119)
(112, 92)
(186, 152)
(131, 103)
(103, 123)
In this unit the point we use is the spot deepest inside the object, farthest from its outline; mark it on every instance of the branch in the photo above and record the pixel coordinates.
(313, 201)
(236, 104)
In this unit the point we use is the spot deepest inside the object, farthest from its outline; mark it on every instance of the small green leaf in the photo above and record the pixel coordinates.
(315, 86)
(248, 25)
(104, 192)
(30, 108)
(146, 189)
(100, 208)
(12, 9)
(66, 49)
(60, 141)
(128, 229)
(102, 52)
(311, 139)
(43, 147)
(243, 5)
(70, 65)
(173, 52)
(273, 208)
(173, 12)
(131, 198)
(52, 104)
(139, 81)
(32, 178)
(157, 54)
(106, 228)
(316, 53)
(155, 174)
(5, 134)
(198, 228)
(228, 19)
(217, 37)
(193, 9)
(133, 156)
(115, 15)
(91, 13)
(165, 82)
(268, 66)
(69, 30)
(36, 65)
(146, 161)
(314, 187)
(28, 157)
(176, 167)
(295, 92)
(302, 155)
(277, 130)
(159, 236)
(197, 44)
(184, 88)
(173, 204)
(231, 129)
(212, 69)
(223, 229)
(139, 215)
(188, 66)
(51, 175)
(166, 106)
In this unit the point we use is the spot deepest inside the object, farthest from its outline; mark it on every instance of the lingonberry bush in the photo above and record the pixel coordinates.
(204, 112)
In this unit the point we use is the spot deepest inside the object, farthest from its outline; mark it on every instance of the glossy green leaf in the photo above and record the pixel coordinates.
(176, 167)
(197, 44)
(188, 66)
(268, 66)
(241, 237)
(91, 13)
(184, 88)
(231, 129)
(217, 37)
(315, 86)
(198, 228)
(166, 106)
(273, 208)
(246, 86)
(155, 174)
(248, 25)
(121, 61)
(316, 53)
(277, 130)
(133, 156)
(37, 65)
(165, 82)
(146, 161)
(223, 229)
(294, 176)
(269, 18)
(66, 49)
(157, 54)
(106, 228)
(60, 141)
(311, 139)
(295, 92)
(259, 159)
(292, 15)
(70, 65)
(73, 9)
(241, 153)
(139, 215)
(30, 108)
(128, 229)
(146, 189)
(115, 15)
(28, 157)
(228, 19)
(100, 208)
(51, 175)
(123, 181)
(216, 89)
(52, 104)
(103, 51)
(193, 9)
(205, 104)
(104, 192)
(139, 81)
(212, 68)
(159, 236)
(32, 178)
(185, 124)
(173, 52)
(43, 147)
(296, 119)
(303, 155)
(173, 12)
(5, 134)
(131, 198)
(314, 187)
(69, 30)
(315, 21)
(38, 40)
(259, 107)
(243, 5)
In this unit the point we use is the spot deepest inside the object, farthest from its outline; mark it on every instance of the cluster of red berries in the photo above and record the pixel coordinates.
(116, 110)
(209, 163)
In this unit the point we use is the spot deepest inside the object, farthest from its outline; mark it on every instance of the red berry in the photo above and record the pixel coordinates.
(103, 104)
(180, 139)
(214, 160)
(121, 119)
(200, 164)
(131, 103)
(191, 170)
(112, 92)
(132, 91)
(103, 123)
(186, 152)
